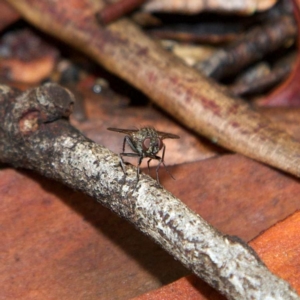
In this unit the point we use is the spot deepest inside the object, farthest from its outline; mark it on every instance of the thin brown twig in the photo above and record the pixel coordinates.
(250, 48)
(265, 80)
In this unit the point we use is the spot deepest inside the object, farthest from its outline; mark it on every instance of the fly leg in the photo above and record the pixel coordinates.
(148, 164)
(161, 161)
(138, 169)
(131, 145)
(130, 155)
(128, 141)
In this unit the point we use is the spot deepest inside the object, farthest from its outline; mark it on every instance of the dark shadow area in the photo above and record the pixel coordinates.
(204, 289)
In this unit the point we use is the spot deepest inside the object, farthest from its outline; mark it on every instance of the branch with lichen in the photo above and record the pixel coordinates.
(35, 134)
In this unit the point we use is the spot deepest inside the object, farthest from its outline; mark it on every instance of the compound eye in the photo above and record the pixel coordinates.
(159, 143)
(146, 144)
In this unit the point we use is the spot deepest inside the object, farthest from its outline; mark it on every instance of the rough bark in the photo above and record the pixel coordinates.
(35, 134)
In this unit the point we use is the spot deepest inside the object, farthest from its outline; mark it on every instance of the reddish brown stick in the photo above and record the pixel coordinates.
(188, 96)
(117, 10)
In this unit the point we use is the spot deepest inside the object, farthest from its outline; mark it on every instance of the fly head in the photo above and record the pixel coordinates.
(147, 142)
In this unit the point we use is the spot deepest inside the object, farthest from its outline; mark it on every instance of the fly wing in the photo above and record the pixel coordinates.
(166, 135)
(125, 131)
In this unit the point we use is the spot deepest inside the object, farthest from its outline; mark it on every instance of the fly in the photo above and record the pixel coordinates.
(144, 142)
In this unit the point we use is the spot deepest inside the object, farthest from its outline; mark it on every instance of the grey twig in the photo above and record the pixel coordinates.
(35, 134)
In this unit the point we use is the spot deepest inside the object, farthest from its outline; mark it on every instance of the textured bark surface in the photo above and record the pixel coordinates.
(278, 246)
(35, 134)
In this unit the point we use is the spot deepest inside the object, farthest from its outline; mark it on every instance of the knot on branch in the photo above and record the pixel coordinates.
(55, 101)
(31, 123)
(44, 104)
